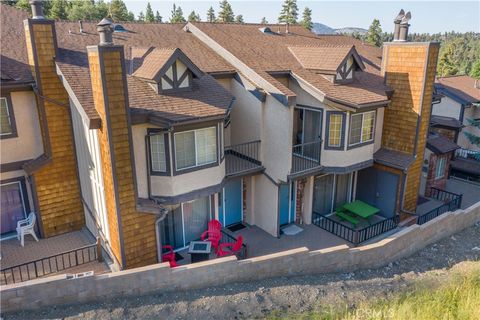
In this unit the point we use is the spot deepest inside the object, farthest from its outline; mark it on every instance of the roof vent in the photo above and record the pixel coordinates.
(37, 9)
(266, 30)
(105, 29)
(119, 28)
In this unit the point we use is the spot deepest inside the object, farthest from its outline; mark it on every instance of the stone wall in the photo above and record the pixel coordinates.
(160, 278)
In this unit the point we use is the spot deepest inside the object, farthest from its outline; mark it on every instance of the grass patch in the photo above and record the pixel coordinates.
(454, 296)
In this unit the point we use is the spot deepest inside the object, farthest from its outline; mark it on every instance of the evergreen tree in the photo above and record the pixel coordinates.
(447, 65)
(177, 15)
(374, 34)
(289, 13)
(158, 17)
(141, 16)
(211, 15)
(84, 10)
(149, 16)
(307, 18)
(118, 11)
(58, 10)
(193, 17)
(226, 13)
(101, 10)
(475, 73)
(264, 21)
(239, 19)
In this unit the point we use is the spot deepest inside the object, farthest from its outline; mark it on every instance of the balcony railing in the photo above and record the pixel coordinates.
(227, 237)
(242, 158)
(467, 154)
(451, 202)
(306, 156)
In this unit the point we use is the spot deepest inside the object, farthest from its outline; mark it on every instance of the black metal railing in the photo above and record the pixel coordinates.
(355, 236)
(227, 237)
(451, 202)
(52, 264)
(242, 157)
(306, 156)
(467, 154)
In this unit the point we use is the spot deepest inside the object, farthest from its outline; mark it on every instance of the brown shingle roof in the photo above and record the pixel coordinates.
(465, 87)
(441, 144)
(14, 61)
(321, 58)
(153, 62)
(392, 158)
(270, 52)
(445, 122)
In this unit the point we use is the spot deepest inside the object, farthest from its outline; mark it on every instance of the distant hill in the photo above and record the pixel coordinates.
(320, 28)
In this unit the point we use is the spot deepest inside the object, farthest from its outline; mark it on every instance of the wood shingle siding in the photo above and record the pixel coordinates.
(409, 69)
(57, 186)
(132, 233)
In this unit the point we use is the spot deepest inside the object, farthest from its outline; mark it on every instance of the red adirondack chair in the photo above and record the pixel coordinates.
(213, 234)
(169, 256)
(226, 249)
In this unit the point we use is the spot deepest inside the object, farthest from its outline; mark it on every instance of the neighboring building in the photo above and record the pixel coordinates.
(460, 101)
(438, 155)
(175, 125)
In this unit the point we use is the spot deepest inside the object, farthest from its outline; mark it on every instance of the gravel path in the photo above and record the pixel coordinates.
(281, 295)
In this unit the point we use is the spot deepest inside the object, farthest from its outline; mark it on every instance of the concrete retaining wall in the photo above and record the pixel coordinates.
(160, 278)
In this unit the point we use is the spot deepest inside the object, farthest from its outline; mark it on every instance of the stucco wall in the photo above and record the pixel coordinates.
(266, 205)
(447, 108)
(160, 278)
(28, 144)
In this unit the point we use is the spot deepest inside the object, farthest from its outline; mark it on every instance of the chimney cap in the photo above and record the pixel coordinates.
(37, 9)
(105, 21)
(399, 17)
(406, 18)
(105, 29)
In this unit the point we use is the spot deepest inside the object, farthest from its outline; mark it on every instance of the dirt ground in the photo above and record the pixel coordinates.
(281, 295)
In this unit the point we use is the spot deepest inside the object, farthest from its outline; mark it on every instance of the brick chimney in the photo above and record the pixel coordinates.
(409, 69)
(133, 238)
(53, 175)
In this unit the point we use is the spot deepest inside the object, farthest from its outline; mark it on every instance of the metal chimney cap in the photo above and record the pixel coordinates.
(37, 9)
(399, 17)
(406, 18)
(104, 22)
(105, 29)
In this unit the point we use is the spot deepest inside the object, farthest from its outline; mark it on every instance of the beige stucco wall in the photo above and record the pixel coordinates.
(28, 144)
(266, 205)
(169, 185)
(447, 108)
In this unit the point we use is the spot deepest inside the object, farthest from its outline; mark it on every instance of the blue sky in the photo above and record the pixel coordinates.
(427, 16)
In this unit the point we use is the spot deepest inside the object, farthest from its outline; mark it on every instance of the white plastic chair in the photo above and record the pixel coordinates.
(26, 226)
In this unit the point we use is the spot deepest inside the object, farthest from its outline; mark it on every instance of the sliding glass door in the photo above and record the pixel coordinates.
(331, 191)
(13, 206)
(308, 130)
(187, 222)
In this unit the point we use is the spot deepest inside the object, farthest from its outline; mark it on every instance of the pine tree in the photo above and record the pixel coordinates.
(475, 72)
(118, 11)
(193, 17)
(239, 19)
(374, 34)
(307, 18)
(177, 15)
(58, 11)
(446, 62)
(158, 17)
(149, 16)
(226, 12)
(211, 15)
(141, 16)
(289, 13)
(264, 21)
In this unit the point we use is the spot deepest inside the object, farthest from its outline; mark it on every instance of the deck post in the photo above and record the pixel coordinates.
(99, 250)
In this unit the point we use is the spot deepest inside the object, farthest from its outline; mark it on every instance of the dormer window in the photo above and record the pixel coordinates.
(167, 70)
(336, 64)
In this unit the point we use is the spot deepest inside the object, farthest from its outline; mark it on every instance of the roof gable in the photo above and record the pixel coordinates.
(158, 64)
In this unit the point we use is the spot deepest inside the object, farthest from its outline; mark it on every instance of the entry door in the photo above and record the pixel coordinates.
(284, 204)
(232, 212)
(13, 205)
(378, 188)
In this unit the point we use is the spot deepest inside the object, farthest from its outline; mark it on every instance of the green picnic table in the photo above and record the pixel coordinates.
(361, 209)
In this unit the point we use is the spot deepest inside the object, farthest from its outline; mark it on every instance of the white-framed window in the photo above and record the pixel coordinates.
(195, 148)
(362, 127)
(5, 118)
(335, 130)
(440, 169)
(157, 153)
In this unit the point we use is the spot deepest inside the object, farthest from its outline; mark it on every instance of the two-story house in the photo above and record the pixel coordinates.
(174, 125)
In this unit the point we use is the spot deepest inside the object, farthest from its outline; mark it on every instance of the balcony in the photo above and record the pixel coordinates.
(243, 159)
(306, 157)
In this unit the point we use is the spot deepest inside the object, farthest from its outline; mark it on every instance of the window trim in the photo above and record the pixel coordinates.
(361, 143)
(342, 131)
(440, 160)
(195, 167)
(155, 131)
(11, 116)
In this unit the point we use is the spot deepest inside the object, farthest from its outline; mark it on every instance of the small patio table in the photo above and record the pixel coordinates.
(361, 209)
